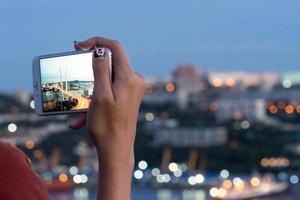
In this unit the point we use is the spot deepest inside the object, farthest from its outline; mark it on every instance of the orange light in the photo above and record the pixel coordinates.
(227, 184)
(255, 182)
(170, 87)
(217, 82)
(289, 109)
(29, 144)
(230, 82)
(264, 162)
(63, 177)
(273, 109)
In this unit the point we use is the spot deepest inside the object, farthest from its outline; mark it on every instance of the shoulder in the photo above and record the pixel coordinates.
(18, 180)
(10, 154)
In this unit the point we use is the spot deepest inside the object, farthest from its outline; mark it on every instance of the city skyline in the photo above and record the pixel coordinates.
(249, 35)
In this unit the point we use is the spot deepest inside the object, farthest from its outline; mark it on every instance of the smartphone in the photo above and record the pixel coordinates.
(63, 83)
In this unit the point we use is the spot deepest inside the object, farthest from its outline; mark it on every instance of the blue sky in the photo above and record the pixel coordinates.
(68, 68)
(254, 35)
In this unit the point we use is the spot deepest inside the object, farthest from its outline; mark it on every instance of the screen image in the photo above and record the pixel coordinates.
(67, 82)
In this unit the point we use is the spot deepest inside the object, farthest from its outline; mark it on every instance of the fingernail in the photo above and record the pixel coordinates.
(99, 52)
(76, 43)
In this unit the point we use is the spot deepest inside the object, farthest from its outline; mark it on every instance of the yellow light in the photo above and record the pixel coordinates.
(214, 192)
(63, 177)
(255, 181)
(29, 144)
(227, 184)
(37, 154)
(264, 162)
(238, 184)
(222, 193)
(170, 87)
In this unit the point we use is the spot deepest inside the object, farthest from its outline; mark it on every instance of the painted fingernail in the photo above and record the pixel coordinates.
(99, 52)
(80, 47)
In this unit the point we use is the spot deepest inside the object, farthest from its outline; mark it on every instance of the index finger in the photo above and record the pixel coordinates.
(118, 52)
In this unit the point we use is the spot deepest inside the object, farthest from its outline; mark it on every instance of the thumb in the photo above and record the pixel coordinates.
(79, 122)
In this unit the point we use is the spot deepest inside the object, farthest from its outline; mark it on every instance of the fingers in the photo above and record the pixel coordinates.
(79, 122)
(119, 54)
(121, 68)
(102, 74)
(78, 47)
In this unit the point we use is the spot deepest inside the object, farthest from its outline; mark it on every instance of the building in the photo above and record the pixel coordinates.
(243, 79)
(190, 136)
(241, 108)
(187, 81)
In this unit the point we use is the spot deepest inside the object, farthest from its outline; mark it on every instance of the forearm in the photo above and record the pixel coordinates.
(115, 174)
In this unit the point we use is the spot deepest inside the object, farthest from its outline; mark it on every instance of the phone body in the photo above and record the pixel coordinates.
(63, 83)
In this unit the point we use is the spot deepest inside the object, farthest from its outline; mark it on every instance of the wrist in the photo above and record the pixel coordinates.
(115, 159)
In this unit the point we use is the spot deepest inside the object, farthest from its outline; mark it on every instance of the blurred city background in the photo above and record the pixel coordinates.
(221, 122)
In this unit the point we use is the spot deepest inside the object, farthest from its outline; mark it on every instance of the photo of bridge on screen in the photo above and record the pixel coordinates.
(67, 82)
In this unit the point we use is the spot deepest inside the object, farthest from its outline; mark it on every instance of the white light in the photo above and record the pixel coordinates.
(192, 180)
(73, 170)
(245, 124)
(32, 104)
(155, 172)
(183, 167)
(214, 192)
(294, 179)
(149, 117)
(12, 127)
(286, 83)
(236, 181)
(160, 178)
(199, 178)
(143, 164)
(84, 178)
(77, 179)
(224, 174)
(138, 174)
(167, 178)
(173, 167)
(178, 173)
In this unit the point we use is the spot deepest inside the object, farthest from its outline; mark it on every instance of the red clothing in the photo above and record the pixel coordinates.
(17, 179)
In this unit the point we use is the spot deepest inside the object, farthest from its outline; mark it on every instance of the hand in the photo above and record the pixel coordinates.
(112, 116)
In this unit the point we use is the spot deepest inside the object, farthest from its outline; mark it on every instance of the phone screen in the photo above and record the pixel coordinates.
(67, 82)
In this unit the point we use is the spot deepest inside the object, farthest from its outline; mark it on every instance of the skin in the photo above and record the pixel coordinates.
(112, 118)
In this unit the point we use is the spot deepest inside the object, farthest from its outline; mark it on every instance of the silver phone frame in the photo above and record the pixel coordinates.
(37, 88)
